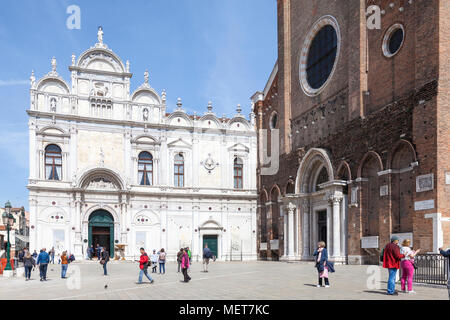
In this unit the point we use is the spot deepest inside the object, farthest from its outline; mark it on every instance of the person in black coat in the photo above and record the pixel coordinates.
(104, 260)
(447, 255)
(321, 259)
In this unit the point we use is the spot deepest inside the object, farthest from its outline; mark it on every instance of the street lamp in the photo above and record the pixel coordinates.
(8, 221)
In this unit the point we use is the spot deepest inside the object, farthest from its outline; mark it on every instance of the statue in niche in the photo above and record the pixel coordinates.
(145, 114)
(53, 105)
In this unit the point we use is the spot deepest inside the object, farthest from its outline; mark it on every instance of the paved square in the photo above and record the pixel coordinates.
(259, 280)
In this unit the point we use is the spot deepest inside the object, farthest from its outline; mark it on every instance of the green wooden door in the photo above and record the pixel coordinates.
(211, 241)
(99, 221)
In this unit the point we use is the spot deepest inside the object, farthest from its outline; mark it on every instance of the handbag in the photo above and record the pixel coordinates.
(414, 264)
(324, 273)
(102, 261)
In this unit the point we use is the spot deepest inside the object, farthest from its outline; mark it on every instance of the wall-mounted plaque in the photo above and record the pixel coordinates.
(424, 205)
(425, 182)
(384, 190)
(354, 196)
(369, 242)
(274, 244)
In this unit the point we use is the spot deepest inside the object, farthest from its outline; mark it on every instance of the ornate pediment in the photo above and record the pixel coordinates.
(101, 184)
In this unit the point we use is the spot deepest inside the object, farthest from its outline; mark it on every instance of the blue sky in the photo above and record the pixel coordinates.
(198, 50)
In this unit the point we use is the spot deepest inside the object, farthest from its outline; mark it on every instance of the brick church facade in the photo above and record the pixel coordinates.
(363, 123)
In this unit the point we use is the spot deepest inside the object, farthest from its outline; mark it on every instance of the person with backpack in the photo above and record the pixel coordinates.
(43, 261)
(391, 261)
(324, 267)
(179, 257)
(207, 254)
(185, 266)
(154, 260)
(162, 261)
(104, 260)
(143, 265)
(447, 255)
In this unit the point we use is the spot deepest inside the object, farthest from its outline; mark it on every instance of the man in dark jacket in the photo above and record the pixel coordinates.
(143, 265)
(179, 257)
(43, 261)
(447, 255)
(206, 256)
(391, 261)
(104, 260)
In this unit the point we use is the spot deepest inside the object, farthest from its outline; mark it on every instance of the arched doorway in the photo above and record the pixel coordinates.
(101, 230)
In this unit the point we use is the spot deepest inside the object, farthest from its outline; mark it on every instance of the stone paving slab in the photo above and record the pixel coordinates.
(258, 280)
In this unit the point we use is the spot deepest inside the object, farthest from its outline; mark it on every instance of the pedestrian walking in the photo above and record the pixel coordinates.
(185, 266)
(407, 265)
(52, 255)
(43, 261)
(104, 260)
(143, 265)
(99, 250)
(324, 267)
(34, 255)
(64, 264)
(447, 255)
(154, 260)
(21, 255)
(179, 257)
(391, 261)
(91, 252)
(207, 254)
(189, 255)
(162, 261)
(28, 263)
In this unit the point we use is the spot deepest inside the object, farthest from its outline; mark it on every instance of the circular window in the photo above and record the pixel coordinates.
(273, 120)
(393, 40)
(319, 55)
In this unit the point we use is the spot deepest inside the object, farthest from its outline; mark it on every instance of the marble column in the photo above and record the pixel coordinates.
(286, 235)
(305, 230)
(291, 209)
(336, 203)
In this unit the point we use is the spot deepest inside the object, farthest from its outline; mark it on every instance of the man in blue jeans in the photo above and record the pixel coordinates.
(43, 260)
(391, 261)
(104, 260)
(143, 265)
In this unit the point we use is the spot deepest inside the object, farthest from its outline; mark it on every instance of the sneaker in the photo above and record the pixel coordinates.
(327, 286)
(412, 291)
(318, 286)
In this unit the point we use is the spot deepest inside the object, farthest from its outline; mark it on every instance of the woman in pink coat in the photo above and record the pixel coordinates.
(185, 266)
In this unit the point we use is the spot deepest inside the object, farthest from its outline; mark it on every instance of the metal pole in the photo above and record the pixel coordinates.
(8, 253)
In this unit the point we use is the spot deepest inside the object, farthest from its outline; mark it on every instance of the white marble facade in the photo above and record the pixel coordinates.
(101, 129)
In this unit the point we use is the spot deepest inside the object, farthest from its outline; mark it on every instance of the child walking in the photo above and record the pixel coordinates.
(322, 264)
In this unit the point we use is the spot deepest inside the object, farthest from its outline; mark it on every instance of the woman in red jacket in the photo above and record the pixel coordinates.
(143, 265)
(391, 261)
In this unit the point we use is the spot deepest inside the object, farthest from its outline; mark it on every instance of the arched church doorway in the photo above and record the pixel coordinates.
(101, 230)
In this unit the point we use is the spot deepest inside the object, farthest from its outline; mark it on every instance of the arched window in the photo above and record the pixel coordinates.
(145, 169)
(179, 170)
(53, 162)
(238, 174)
(322, 178)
